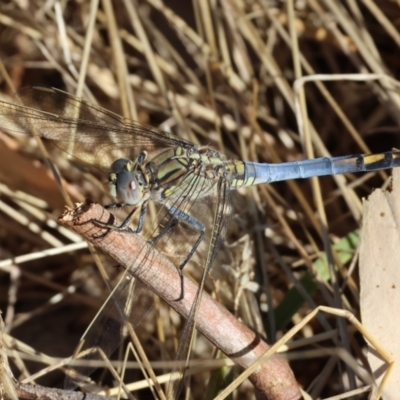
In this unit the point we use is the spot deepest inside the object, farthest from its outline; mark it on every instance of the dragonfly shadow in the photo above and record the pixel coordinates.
(252, 345)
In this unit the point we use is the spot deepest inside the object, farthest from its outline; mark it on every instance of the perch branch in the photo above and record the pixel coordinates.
(274, 379)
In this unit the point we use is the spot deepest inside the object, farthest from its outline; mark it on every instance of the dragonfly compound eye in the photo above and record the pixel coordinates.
(123, 185)
(127, 188)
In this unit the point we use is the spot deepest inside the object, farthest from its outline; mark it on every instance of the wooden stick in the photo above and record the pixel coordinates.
(274, 379)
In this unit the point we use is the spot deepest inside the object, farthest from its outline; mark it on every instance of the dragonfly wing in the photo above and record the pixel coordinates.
(221, 220)
(89, 133)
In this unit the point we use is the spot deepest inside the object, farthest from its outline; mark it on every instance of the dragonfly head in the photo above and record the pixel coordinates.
(125, 182)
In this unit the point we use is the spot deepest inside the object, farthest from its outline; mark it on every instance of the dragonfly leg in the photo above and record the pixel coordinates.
(180, 216)
(123, 227)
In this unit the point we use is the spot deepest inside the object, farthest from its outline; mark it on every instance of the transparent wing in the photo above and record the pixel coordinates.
(89, 133)
(221, 218)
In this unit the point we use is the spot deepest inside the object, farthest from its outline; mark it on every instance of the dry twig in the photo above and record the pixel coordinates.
(274, 379)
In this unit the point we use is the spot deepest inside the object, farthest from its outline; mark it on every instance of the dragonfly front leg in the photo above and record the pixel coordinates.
(180, 216)
(124, 226)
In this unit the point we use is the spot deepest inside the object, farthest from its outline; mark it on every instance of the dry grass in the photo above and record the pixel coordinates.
(225, 74)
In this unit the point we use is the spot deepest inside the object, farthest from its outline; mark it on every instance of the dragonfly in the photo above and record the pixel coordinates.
(143, 165)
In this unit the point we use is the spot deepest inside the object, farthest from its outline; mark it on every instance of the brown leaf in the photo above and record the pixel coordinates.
(380, 278)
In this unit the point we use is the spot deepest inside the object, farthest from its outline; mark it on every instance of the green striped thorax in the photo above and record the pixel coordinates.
(181, 172)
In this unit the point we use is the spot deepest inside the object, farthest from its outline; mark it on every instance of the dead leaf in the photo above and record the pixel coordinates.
(380, 278)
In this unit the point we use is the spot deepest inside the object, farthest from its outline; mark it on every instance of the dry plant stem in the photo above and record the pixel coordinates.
(37, 392)
(274, 379)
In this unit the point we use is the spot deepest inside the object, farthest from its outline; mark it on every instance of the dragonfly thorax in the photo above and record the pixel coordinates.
(126, 182)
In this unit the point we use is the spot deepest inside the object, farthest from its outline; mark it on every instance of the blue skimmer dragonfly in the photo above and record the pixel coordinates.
(145, 165)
